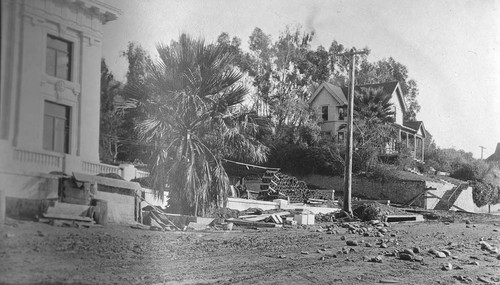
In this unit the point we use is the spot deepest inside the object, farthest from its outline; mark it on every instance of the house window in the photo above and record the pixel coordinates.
(59, 57)
(324, 113)
(326, 134)
(56, 127)
(340, 136)
(342, 112)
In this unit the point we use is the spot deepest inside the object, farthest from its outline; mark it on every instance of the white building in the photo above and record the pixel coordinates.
(49, 92)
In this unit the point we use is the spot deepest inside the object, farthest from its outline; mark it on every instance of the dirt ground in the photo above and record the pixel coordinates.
(37, 253)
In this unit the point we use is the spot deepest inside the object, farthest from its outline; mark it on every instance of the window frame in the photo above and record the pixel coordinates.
(68, 51)
(325, 115)
(54, 130)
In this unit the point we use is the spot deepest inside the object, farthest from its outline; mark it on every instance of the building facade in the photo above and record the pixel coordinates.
(331, 102)
(50, 92)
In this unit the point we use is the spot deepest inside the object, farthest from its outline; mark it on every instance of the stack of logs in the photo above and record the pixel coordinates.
(289, 186)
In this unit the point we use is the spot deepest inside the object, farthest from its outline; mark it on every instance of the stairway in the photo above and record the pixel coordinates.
(450, 197)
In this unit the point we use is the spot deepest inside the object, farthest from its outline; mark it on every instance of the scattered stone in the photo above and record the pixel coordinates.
(40, 234)
(408, 251)
(383, 230)
(342, 238)
(417, 250)
(304, 252)
(393, 235)
(374, 222)
(432, 251)
(474, 263)
(447, 267)
(383, 245)
(463, 278)
(485, 280)
(405, 256)
(351, 243)
(467, 222)
(322, 258)
(386, 224)
(370, 245)
(498, 257)
(447, 252)
(377, 259)
(418, 258)
(282, 256)
(9, 235)
(440, 254)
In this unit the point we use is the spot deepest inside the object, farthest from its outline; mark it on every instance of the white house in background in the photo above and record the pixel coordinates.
(49, 92)
(330, 101)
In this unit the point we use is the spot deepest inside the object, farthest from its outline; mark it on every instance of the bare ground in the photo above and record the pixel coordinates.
(36, 253)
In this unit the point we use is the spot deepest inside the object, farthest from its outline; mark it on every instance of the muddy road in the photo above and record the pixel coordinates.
(36, 253)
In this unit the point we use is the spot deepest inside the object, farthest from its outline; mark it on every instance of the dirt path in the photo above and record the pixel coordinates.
(32, 252)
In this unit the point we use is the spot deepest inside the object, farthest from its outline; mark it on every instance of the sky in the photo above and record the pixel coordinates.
(450, 47)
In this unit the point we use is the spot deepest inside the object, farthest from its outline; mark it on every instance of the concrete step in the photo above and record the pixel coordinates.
(68, 209)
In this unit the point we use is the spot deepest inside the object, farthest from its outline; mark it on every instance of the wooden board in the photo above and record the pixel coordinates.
(247, 223)
(263, 217)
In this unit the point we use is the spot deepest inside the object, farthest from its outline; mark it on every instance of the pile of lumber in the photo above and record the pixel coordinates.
(263, 220)
(283, 184)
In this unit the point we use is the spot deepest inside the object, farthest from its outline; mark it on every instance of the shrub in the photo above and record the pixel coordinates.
(485, 193)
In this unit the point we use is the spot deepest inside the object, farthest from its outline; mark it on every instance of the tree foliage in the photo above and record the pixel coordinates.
(111, 116)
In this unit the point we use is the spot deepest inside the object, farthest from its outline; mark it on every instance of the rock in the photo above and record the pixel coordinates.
(447, 267)
(498, 257)
(383, 230)
(322, 258)
(408, 251)
(9, 235)
(440, 254)
(474, 263)
(40, 234)
(417, 250)
(405, 256)
(418, 258)
(432, 251)
(352, 250)
(467, 222)
(342, 238)
(282, 256)
(379, 234)
(447, 252)
(383, 245)
(304, 252)
(368, 244)
(377, 259)
(393, 235)
(351, 243)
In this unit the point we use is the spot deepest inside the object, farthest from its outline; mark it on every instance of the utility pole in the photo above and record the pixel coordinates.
(349, 141)
(482, 148)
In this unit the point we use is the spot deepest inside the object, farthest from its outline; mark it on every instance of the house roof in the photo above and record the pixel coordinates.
(495, 156)
(334, 91)
(415, 125)
(387, 87)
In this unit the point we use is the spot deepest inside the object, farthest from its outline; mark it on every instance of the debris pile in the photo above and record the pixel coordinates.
(376, 211)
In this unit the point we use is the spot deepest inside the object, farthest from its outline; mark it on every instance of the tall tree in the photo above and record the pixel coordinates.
(138, 60)
(193, 119)
(111, 116)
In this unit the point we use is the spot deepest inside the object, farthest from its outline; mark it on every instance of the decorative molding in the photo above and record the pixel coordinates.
(59, 86)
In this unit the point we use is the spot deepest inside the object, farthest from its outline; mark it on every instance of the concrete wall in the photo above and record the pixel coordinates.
(121, 208)
(397, 192)
(243, 204)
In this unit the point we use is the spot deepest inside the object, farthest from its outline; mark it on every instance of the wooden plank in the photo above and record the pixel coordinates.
(263, 217)
(448, 202)
(404, 218)
(240, 222)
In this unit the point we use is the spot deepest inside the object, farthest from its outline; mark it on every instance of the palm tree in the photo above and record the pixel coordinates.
(373, 128)
(194, 119)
